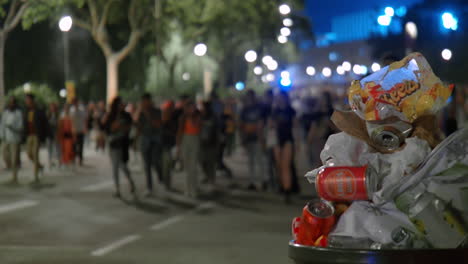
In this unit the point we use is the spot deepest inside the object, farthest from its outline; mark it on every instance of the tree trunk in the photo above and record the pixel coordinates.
(171, 77)
(222, 74)
(2, 69)
(112, 78)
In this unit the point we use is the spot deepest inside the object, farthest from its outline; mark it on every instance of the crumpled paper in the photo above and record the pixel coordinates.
(407, 89)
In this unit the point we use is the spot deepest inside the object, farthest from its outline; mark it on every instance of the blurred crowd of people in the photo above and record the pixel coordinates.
(189, 135)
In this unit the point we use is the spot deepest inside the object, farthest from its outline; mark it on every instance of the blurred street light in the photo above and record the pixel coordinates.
(270, 77)
(258, 70)
(375, 67)
(340, 70)
(364, 70)
(384, 20)
(285, 82)
(250, 56)
(449, 21)
(411, 29)
(346, 65)
(63, 93)
(200, 49)
(186, 76)
(287, 22)
(65, 23)
(310, 71)
(282, 39)
(272, 65)
(240, 86)
(326, 72)
(285, 75)
(357, 69)
(27, 87)
(446, 54)
(285, 31)
(284, 9)
(389, 11)
(266, 59)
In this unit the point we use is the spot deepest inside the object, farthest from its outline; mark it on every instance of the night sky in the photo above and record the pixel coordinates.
(321, 11)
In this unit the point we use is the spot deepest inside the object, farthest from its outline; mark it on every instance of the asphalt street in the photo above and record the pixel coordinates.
(72, 217)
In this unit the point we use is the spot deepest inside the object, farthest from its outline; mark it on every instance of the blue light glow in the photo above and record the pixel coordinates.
(449, 21)
(240, 86)
(401, 11)
(450, 99)
(285, 82)
(333, 56)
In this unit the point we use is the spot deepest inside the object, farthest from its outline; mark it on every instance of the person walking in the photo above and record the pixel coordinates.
(283, 119)
(169, 134)
(117, 124)
(11, 134)
(270, 140)
(251, 126)
(36, 128)
(78, 116)
(230, 127)
(210, 136)
(228, 130)
(149, 130)
(53, 146)
(98, 119)
(188, 145)
(66, 137)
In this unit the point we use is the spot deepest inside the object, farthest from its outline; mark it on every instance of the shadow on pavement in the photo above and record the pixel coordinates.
(150, 207)
(38, 186)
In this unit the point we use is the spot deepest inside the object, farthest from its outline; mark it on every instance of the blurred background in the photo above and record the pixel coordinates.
(250, 64)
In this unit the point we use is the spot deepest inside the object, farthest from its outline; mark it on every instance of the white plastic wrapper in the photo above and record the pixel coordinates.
(452, 185)
(344, 150)
(366, 220)
(401, 164)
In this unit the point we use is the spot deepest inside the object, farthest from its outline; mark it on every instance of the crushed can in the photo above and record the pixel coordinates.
(318, 219)
(345, 183)
(403, 238)
(434, 218)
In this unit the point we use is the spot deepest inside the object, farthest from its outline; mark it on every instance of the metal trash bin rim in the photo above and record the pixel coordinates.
(314, 255)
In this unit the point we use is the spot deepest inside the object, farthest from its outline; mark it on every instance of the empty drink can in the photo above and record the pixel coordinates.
(345, 183)
(318, 218)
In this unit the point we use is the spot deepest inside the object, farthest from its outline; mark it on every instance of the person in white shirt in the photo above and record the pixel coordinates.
(11, 133)
(79, 117)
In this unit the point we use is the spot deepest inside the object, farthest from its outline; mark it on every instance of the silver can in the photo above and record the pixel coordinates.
(389, 135)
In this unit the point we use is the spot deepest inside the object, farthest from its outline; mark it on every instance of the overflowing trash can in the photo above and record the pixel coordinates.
(391, 188)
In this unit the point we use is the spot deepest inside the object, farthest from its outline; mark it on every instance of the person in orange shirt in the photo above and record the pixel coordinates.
(188, 145)
(65, 137)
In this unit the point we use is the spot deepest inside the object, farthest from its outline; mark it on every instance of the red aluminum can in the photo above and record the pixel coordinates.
(346, 183)
(318, 219)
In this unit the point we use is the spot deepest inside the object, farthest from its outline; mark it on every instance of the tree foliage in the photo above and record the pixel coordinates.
(42, 92)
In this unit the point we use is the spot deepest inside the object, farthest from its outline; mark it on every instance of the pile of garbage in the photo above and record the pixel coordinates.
(389, 181)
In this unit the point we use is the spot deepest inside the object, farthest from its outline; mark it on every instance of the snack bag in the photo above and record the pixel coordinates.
(407, 89)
